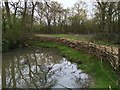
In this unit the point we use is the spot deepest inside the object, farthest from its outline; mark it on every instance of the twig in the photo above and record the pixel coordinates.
(106, 73)
(65, 87)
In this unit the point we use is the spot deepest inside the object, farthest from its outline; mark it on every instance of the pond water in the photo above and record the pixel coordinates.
(40, 68)
(0, 69)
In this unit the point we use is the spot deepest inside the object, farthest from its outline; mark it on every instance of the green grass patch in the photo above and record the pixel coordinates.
(70, 36)
(87, 63)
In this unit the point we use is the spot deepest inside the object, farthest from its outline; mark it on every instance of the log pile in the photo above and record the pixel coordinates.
(101, 51)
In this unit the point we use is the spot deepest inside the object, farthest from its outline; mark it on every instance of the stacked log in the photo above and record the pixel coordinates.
(101, 51)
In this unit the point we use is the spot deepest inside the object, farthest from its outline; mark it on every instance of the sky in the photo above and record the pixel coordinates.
(66, 3)
(70, 3)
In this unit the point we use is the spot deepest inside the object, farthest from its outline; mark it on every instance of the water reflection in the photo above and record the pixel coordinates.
(0, 82)
(0, 71)
(40, 68)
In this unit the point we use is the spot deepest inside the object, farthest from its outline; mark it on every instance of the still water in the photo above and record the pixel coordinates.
(40, 68)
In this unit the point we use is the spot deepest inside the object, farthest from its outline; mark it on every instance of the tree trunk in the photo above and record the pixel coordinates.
(102, 7)
(110, 28)
(24, 15)
(32, 16)
(103, 20)
(3, 21)
(119, 66)
(118, 17)
(8, 13)
(4, 76)
(13, 74)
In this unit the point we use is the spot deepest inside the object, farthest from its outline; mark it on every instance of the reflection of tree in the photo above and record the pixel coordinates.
(37, 70)
(29, 71)
(13, 74)
(21, 75)
(3, 77)
(35, 62)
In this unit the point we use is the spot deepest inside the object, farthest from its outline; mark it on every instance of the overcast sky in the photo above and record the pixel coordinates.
(66, 3)
(70, 3)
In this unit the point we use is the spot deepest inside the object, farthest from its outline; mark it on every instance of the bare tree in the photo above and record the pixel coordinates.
(118, 7)
(24, 15)
(15, 6)
(8, 13)
(102, 10)
(32, 16)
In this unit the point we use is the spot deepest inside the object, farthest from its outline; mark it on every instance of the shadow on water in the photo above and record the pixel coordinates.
(40, 68)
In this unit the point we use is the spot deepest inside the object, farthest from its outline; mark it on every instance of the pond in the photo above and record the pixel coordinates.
(40, 68)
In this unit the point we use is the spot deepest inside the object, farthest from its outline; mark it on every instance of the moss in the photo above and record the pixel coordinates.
(89, 64)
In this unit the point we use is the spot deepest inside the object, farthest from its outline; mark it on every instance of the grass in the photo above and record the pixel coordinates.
(87, 63)
(70, 36)
(81, 37)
